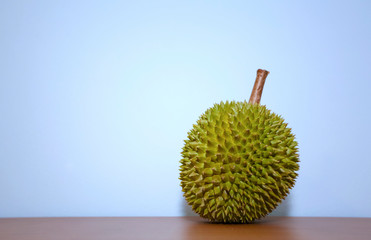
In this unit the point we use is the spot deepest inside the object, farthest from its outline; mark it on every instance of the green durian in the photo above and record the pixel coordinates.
(238, 162)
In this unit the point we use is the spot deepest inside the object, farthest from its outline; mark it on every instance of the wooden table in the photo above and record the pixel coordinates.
(186, 228)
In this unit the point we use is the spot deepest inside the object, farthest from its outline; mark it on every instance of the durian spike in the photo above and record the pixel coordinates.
(257, 90)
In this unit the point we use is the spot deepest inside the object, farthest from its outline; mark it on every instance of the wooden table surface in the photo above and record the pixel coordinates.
(186, 228)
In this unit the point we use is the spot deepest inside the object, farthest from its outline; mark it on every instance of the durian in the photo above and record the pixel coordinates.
(239, 160)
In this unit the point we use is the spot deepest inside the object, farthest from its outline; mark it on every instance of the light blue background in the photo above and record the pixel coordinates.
(96, 99)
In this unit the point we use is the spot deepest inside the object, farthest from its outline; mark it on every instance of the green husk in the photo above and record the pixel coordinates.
(238, 162)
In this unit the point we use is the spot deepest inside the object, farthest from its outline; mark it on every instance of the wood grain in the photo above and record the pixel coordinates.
(186, 228)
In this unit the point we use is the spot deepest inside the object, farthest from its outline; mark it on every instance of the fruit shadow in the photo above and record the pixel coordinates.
(186, 209)
(283, 209)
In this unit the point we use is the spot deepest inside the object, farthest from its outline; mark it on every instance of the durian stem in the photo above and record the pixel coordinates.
(257, 90)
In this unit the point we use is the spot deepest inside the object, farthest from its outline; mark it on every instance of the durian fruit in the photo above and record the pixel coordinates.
(239, 160)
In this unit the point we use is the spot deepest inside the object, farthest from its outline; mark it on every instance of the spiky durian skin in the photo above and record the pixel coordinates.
(238, 163)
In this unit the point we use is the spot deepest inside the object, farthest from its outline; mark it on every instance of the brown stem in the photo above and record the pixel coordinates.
(257, 90)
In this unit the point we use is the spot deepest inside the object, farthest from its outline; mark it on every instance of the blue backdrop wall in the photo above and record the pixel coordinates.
(96, 98)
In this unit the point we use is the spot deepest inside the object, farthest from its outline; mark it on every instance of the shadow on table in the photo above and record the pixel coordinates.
(268, 228)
